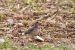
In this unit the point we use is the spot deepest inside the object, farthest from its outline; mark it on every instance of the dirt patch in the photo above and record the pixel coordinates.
(57, 28)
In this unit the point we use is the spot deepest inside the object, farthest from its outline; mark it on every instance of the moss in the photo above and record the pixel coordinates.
(33, 46)
(62, 47)
(5, 44)
(46, 46)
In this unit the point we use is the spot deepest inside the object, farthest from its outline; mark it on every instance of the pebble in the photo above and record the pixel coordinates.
(10, 21)
(2, 40)
(23, 33)
(38, 38)
(19, 24)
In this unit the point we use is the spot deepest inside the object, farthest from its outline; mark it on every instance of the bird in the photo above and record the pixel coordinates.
(32, 29)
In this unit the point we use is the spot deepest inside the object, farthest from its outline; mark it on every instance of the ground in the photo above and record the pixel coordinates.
(52, 20)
